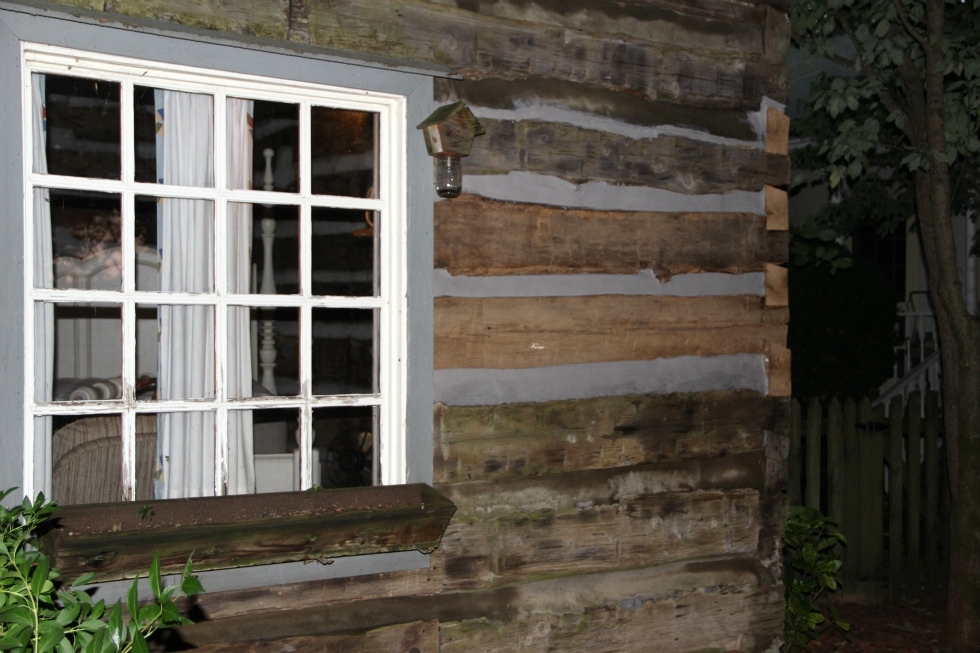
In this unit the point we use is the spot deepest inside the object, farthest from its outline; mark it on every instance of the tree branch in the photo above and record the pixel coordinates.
(921, 37)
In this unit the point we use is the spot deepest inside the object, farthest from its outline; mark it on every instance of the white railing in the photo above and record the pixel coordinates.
(917, 363)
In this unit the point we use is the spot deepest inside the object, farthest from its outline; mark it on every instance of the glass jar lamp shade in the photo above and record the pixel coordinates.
(449, 174)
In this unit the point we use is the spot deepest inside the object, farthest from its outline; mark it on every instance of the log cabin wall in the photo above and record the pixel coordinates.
(610, 318)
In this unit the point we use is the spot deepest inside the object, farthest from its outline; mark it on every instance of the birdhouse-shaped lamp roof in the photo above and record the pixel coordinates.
(450, 130)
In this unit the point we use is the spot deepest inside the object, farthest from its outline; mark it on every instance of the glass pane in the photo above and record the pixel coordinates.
(275, 351)
(345, 440)
(242, 360)
(186, 443)
(275, 147)
(177, 147)
(186, 352)
(263, 249)
(147, 350)
(343, 257)
(276, 457)
(185, 240)
(86, 456)
(87, 349)
(86, 234)
(343, 351)
(83, 132)
(147, 256)
(343, 154)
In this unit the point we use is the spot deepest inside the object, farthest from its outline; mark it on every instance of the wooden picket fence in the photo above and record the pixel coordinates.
(882, 476)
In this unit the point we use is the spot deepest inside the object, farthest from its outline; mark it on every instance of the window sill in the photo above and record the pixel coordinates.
(117, 540)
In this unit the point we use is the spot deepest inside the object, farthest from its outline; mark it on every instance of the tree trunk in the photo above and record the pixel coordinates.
(959, 338)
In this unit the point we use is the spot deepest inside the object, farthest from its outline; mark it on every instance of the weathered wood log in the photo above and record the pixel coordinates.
(507, 532)
(672, 622)
(777, 132)
(419, 636)
(476, 236)
(674, 163)
(118, 540)
(636, 111)
(668, 585)
(777, 286)
(527, 332)
(497, 442)
(483, 46)
(690, 25)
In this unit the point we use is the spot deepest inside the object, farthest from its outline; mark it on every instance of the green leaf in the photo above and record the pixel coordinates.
(117, 632)
(132, 600)
(155, 575)
(51, 634)
(139, 643)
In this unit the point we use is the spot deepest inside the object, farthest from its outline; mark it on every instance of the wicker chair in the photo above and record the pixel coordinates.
(87, 460)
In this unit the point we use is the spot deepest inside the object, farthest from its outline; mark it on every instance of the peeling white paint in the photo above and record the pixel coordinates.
(644, 282)
(485, 387)
(523, 186)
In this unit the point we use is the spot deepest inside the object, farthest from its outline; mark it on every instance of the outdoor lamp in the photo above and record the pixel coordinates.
(449, 134)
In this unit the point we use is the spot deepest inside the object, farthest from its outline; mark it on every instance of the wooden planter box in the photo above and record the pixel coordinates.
(118, 540)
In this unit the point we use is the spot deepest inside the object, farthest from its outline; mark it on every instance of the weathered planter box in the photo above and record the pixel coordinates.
(118, 540)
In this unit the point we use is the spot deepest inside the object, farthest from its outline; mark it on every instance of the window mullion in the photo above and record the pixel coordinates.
(220, 258)
(128, 307)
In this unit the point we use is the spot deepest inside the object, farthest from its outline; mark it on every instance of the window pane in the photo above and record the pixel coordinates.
(275, 351)
(147, 350)
(343, 154)
(87, 346)
(276, 456)
(343, 351)
(345, 438)
(82, 127)
(86, 454)
(186, 352)
(275, 147)
(344, 252)
(180, 148)
(270, 236)
(185, 238)
(86, 234)
(186, 442)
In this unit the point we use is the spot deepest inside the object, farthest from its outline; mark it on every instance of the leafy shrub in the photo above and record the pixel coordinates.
(812, 567)
(38, 614)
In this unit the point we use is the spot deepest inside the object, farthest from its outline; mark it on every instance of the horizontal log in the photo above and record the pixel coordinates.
(695, 26)
(420, 636)
(777, 286)
(777, 131)
(476, 236)
(578, 594)
(511, 531)
(118, 540)
(634, 111)
(480, 46)
(673, 163)
(643, 530)
(513, 440)
(717, 619)
(523, 332)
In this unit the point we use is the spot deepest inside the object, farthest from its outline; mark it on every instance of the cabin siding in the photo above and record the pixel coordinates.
(616, 454)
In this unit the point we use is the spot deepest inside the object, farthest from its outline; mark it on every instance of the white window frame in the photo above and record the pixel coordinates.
(390, 207)
(93, 31)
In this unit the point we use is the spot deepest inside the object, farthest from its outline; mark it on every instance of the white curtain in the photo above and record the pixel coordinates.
(241, 469)
(186, 441)
(43, 278)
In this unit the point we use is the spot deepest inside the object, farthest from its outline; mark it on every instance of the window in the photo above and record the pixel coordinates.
(216, 301)
(263, 342)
